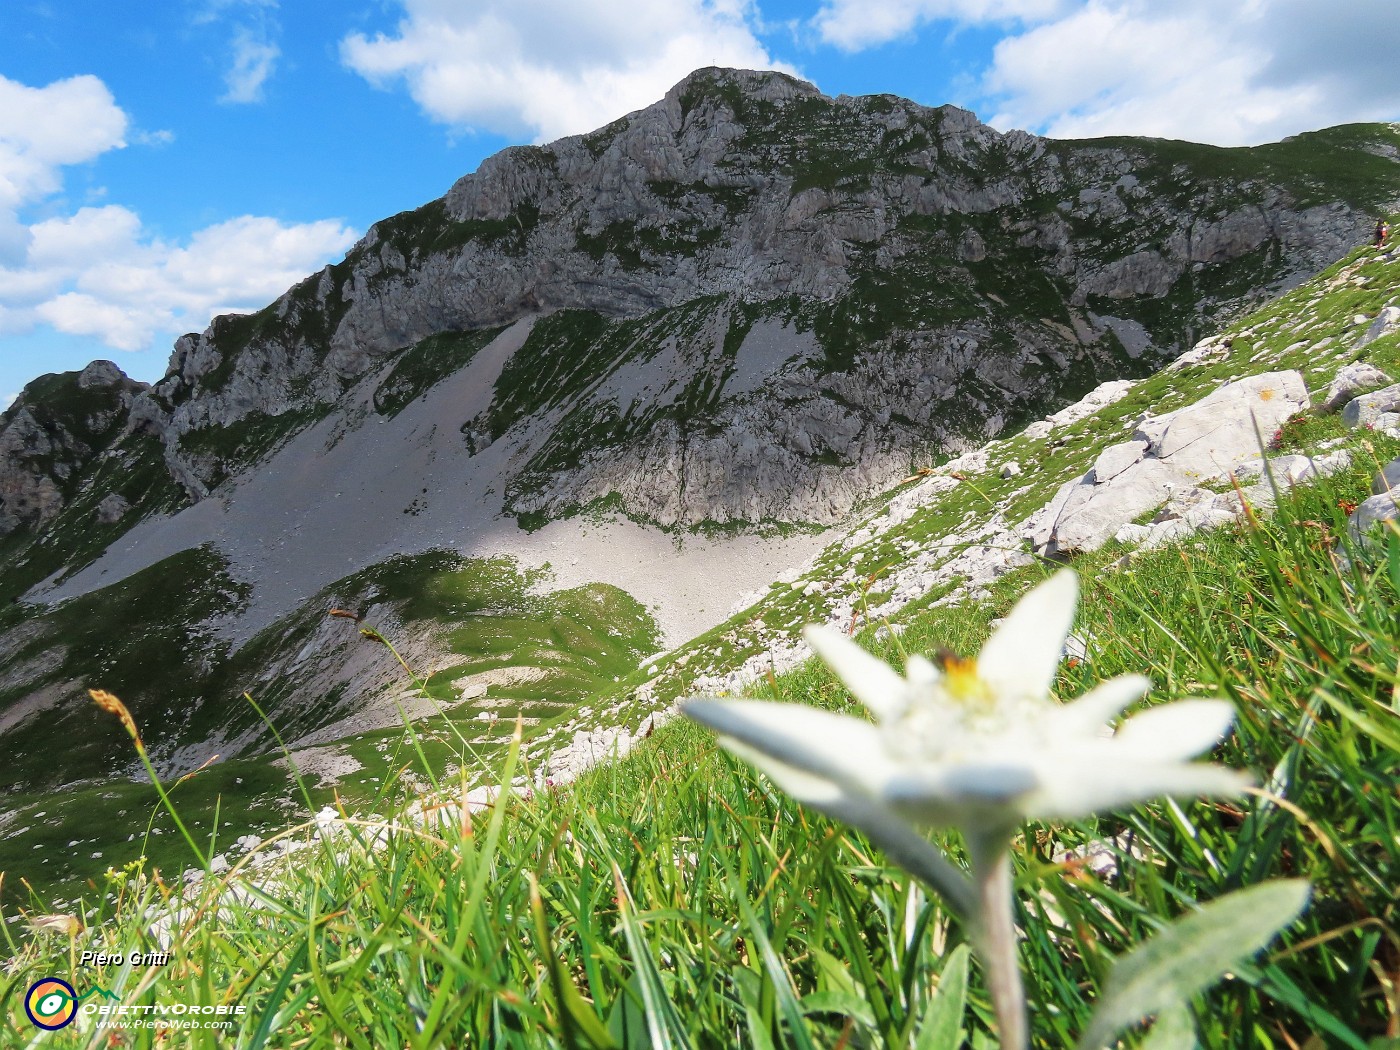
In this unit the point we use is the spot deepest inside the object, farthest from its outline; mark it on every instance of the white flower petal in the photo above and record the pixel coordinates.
(887, 830)
(921, 672)
(1092, 711)
(829, 746)
(807, 788)
(1078, 792)
(1175, 731)
(1021, 658)
(873, 682)
(967, 794)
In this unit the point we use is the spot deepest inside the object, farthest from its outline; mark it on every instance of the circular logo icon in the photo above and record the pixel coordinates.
(51, 1004)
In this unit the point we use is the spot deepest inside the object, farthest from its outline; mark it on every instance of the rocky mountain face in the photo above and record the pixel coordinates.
(52, 434)
(649, 364)
(753, 289)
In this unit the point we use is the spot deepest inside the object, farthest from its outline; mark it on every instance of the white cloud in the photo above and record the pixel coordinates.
(551, 67)
(97, 271)
(254, 60)
(42, 129)
(98, 274)
(1180, 70)
(1231, 74)
(160, 137)
(854, 25)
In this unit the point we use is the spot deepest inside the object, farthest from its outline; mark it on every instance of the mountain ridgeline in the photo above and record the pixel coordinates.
(757, 303)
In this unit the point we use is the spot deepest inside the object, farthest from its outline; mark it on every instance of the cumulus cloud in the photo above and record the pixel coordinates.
(97, 273)
(548, 68)
(43, 129)
(1226, 74)
(854, 25)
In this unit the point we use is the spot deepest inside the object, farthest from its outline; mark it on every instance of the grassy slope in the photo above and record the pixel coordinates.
(581, 639)
(669, 874)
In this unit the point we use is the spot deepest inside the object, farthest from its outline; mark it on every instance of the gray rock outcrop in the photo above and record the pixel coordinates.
(1387, 321)
(1387, 478)
(755, 188)
(1372, 514)
(111, 510)
(1166, 462)
(52, 434)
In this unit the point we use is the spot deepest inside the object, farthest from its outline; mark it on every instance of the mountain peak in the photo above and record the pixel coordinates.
(760, 85)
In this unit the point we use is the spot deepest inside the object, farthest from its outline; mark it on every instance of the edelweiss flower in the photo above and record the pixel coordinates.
(977, 743)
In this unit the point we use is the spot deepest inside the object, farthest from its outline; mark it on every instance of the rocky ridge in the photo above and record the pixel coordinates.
(879, 280)
(52, 433)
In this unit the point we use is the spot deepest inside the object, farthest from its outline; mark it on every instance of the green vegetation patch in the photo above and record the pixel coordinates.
(226, 451)
(679, 891)
(144, 639)
(1354, 163)
(426, 363)
(133, 469)
(147, 640)
(645, 247)
(429, 230)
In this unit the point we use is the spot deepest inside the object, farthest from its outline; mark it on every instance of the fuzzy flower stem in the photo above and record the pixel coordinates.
(994, 934)
(914, 853)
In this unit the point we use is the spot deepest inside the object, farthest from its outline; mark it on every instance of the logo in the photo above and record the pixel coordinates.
(51, 1004)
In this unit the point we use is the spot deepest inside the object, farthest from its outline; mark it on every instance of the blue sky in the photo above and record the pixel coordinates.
(160, 163)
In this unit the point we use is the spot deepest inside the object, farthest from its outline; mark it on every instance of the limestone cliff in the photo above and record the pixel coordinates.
(761, 303)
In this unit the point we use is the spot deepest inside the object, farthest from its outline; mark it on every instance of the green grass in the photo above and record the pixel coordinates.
(677, 892)
(1318, 167)
(425, 364)
(223, 452)
(480, 616)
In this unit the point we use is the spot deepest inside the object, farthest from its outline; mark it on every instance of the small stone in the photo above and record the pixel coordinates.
(1374, 512)
(1132, 533)
(1387, 321)
(1355, 379)
(1077, 647)
(1011, 469)
(1387, 478)
(1365, 409)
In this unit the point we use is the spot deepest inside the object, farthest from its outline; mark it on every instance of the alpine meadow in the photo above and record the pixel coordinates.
(774, 571)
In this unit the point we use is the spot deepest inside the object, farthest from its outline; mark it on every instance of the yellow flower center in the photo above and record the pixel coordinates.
(962, 682)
